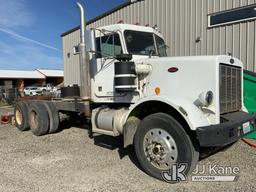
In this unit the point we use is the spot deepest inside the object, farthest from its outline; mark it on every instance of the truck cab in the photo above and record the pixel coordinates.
(181, 82)
(108, 42)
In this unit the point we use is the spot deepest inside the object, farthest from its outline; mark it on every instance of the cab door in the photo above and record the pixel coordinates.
(107, 47)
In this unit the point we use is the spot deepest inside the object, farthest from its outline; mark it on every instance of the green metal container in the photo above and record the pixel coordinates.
(250, 95)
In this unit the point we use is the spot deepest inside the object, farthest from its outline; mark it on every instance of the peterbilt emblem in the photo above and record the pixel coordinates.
(173, 70)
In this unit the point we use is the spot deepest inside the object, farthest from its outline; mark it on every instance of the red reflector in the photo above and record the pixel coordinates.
(173, 69)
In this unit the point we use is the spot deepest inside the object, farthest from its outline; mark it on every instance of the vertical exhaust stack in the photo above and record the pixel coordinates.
(85, 85)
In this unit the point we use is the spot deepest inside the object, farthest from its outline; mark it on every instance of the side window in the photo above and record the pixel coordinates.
(161, 46)
(108, 46)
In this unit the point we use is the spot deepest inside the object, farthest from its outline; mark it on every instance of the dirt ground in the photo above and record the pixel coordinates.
(70, 161)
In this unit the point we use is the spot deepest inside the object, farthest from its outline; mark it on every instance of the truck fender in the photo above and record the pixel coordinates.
(193, 116)
(129, 130)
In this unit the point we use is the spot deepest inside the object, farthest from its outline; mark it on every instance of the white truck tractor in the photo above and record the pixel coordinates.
(167, 107)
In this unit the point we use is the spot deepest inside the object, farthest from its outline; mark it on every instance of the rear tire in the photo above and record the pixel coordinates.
(53, 115)
(38, 119)
(160, 142)
(21, 116)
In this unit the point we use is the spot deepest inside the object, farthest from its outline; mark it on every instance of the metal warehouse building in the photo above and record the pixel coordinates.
(190, 27)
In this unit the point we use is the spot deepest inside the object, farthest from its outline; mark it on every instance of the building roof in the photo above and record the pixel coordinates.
(36, 74)
(51, 73)
(125, 4)
(15, 74)
(71, 30)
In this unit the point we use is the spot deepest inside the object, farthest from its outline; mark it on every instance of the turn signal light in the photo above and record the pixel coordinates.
(157, 91)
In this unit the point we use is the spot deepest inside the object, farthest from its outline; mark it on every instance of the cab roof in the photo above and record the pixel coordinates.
(124, 27)
(121, 27)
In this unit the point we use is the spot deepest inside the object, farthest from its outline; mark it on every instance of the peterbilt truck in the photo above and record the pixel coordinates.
(168, 108)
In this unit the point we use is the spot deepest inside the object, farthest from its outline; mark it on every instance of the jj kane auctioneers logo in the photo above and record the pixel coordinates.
(202, 173)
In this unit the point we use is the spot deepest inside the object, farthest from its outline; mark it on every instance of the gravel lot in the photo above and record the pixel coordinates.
(71, 161)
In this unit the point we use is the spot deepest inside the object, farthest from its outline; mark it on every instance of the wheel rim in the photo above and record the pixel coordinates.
(160, 148)
(18, 117)
(33, 120)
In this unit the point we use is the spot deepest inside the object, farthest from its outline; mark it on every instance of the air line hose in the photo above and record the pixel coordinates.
(249, 143)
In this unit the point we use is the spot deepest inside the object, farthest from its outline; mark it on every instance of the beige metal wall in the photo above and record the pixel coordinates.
(183, 21)
(71, 64)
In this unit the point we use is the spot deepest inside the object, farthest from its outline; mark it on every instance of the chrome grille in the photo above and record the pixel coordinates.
(230, 89)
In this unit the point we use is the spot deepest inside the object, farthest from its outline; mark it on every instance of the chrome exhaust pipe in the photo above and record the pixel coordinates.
(82, 17)
(85, 79)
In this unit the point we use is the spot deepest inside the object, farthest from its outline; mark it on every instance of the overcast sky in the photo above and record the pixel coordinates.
(30, 30)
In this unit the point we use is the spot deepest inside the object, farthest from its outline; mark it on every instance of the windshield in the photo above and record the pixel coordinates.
(143, 43)
(140, 43)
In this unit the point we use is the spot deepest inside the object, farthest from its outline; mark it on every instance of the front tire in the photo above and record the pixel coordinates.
(160, 142)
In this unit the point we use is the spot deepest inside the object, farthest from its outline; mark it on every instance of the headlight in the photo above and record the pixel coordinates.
(206, 98)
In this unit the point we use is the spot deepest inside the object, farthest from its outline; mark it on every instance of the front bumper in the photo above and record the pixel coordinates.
(232, 128)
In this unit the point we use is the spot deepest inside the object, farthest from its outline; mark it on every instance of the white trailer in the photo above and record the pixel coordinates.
(167, 107)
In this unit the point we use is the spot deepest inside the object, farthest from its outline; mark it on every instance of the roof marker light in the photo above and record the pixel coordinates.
(155, 27)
